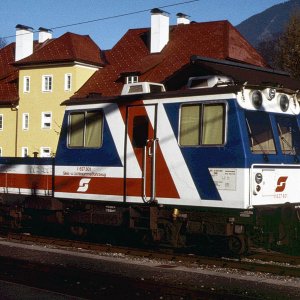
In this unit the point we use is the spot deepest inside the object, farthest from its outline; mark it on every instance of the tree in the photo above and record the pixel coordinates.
(269, 49)
(288, 57)
(2, 42)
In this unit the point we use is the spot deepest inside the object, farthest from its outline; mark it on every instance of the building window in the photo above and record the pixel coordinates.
(68, 82)
(24, 151)
(47, 83)
(46, 120)
(85, 129)
(132, 79)
(25, 121)
(1, 122)
(1, 153)
(26, 86)
(202, 125)
(45, 152)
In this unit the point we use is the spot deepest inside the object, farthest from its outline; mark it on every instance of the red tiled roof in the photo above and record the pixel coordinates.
(8, 76)
(219, 40)
(7, 56)
(67, 48)
(8, 93)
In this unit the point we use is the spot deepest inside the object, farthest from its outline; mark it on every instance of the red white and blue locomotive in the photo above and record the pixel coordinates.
(219, 159)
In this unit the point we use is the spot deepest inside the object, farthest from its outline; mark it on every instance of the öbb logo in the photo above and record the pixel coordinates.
(83, 185)
(281, 183)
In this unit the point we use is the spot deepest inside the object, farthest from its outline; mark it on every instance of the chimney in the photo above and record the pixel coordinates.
(182, 19)
(44, 34)
(159, 30)
(24, 41)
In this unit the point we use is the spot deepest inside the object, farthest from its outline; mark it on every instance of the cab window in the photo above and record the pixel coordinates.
(202, 124)
(85, 129)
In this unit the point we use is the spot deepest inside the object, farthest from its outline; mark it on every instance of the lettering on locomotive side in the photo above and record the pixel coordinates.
(85, 171)
(224, 179)
(39, 170)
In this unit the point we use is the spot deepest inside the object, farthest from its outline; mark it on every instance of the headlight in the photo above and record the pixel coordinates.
(284, 102)
(258, 178)
(256, 99)
(269, 93)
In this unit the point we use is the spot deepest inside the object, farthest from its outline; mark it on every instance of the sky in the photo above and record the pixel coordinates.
(106, 33)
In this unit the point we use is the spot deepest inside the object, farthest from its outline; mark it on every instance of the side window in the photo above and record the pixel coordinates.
(24, 151)
(260, 132)
(213, 124)
(47, 83)
(289, 135)
(45, 152)
(85, 129)
(202, 125)
(25, 121)
(68, 82)
(1, 122)
(26, 84)
(46, 120)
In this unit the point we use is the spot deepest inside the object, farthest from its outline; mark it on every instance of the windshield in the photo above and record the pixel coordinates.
(260, 133)
(289, 135)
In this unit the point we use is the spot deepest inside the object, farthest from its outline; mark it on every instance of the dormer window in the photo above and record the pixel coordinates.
(132, 79)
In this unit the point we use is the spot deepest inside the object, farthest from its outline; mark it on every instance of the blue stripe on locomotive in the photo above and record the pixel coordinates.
(107, 155)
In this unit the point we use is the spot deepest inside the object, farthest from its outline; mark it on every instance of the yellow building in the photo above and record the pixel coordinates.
(9, 100)
(52, 73)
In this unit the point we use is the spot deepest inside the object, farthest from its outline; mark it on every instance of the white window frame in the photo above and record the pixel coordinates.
(42, 152)
(46, 119)
(132, 79)
(26, 84)
(24, 151)
(68, 82)
(25, 122)
(47, 83)
(1, 122)
(1, 152)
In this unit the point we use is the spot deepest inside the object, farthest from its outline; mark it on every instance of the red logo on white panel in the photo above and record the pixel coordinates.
(281, 183)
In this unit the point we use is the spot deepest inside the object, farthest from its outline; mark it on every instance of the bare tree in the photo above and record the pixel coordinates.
(269, 50)
(288, 57)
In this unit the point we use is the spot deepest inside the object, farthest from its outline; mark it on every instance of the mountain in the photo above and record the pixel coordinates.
(268, 24)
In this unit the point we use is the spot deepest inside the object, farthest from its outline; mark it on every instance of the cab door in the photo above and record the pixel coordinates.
(141, 147)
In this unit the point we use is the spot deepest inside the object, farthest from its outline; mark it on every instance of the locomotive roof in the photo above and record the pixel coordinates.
(242, 74)
(160, 95)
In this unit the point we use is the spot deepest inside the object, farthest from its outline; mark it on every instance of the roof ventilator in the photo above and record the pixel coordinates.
(209, 82)
(142, 88)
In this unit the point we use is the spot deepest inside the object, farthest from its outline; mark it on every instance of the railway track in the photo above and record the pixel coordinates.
(261, 261)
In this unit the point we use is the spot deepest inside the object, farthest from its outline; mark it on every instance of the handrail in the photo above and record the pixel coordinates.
(153, 166)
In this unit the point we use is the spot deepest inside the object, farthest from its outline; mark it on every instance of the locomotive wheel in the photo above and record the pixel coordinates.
(78, 230)
(236, 245)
